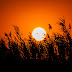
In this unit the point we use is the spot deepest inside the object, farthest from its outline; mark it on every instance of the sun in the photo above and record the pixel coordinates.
(39, 33)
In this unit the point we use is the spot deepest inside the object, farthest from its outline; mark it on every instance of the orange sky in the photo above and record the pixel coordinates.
(29, 14)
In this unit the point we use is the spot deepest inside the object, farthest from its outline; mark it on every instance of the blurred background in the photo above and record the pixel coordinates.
(29, 14)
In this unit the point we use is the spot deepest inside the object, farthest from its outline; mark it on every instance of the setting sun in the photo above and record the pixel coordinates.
(39, 33)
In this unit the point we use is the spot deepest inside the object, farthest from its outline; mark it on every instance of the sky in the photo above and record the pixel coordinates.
(29, 14)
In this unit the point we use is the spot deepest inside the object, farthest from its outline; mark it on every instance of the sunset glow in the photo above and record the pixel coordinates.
(29, 14)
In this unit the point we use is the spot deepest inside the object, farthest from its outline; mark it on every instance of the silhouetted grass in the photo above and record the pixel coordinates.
(49, 51)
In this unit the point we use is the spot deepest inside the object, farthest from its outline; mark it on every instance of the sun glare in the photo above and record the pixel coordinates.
(39, 33)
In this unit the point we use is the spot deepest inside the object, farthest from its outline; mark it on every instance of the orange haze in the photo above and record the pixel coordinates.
(29, 14)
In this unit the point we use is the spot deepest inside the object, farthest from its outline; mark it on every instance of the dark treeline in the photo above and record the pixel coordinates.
(56, 50)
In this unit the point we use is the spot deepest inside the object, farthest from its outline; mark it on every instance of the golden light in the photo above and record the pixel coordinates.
(39, 33)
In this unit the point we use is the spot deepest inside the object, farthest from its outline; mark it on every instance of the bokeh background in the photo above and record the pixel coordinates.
(29, 14)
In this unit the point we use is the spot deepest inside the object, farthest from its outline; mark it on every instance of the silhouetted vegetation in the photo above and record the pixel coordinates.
(56, 50)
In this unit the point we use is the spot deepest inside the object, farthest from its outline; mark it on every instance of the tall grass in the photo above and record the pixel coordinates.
(56, 50)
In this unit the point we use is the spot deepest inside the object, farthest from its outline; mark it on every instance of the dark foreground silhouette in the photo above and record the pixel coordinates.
(56, 50)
